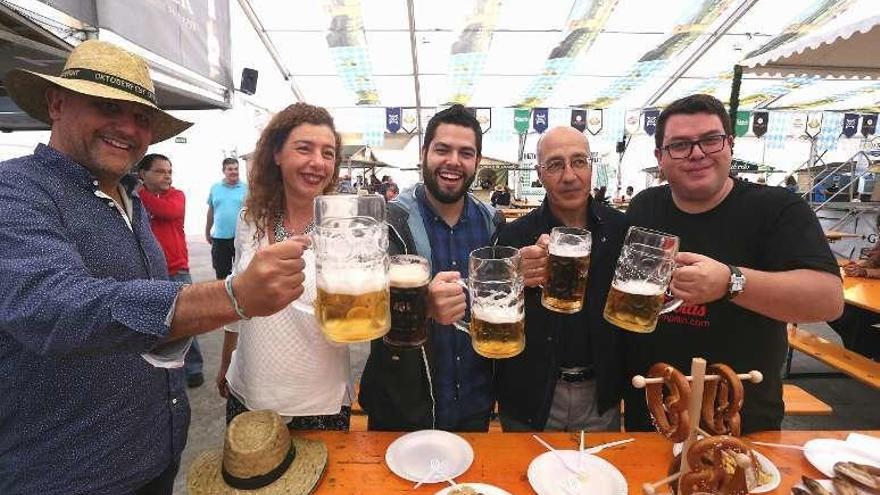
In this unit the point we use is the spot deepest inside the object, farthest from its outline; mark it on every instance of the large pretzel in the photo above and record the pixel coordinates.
(722, 401)
(714, 468)
(670, 411)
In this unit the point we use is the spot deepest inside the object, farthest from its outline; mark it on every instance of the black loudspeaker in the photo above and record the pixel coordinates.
(249, 81)
(621, 146)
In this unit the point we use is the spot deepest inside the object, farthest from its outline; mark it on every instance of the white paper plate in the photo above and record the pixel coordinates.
(823, 453)
(480, 487)
(766, 465)
(410, 455)
(548, 475)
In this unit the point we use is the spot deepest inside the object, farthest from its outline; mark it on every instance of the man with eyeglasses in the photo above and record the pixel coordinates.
(751, 259)
(569, 377)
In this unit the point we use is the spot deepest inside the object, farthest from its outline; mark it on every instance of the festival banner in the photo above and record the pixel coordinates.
(814, 124)
(540, 119)
(579, 119)
(409, 120)
(869, 124)
(631, 121)
(760, 121)
(594, 121)
(392, 119)
(850, 124)
(742, 123)
(650, 124)
(521, 120)
(484, 117)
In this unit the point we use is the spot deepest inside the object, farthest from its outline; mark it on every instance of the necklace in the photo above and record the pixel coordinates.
(281, 233)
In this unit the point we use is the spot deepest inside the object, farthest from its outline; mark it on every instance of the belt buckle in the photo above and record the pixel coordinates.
(572, 376)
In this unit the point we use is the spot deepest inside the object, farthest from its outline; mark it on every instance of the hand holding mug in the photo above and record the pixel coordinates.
(446, 300)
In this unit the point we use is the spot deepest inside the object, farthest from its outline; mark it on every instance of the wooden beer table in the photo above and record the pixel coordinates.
(862, 292)
(357, 460)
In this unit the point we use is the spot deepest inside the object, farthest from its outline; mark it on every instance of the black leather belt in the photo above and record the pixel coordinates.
(574, 375)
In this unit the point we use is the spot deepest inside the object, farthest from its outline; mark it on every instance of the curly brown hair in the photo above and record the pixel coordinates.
(265, 196)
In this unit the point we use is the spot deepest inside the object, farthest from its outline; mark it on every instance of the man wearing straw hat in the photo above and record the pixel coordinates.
(92, 333)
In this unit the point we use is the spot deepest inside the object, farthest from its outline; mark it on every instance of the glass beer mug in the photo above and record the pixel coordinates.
(350, 240)
(569, 266)
(410, 276)
(638, 290)
(495, 283)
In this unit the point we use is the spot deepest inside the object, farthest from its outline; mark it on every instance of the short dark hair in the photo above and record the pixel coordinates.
(455, 115)
(229, 161)
(147, 161)
(690, 105)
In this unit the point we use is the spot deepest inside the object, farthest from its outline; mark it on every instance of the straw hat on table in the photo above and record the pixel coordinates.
(100, 69)
(259, 456)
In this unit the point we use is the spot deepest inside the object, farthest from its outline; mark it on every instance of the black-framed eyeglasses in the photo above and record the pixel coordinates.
(557, 165)
(684, 149)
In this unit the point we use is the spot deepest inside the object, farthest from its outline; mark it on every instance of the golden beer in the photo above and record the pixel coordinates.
(351, 312)
(567, 281)
(634, 305)
(497, 333)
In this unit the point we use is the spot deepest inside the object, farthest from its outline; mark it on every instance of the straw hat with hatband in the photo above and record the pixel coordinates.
(259, 456)
(95, 68)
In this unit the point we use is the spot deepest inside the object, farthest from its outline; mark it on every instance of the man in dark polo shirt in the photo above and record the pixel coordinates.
(569, 377)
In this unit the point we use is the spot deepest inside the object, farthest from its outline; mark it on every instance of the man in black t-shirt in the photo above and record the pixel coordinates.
(751, 258)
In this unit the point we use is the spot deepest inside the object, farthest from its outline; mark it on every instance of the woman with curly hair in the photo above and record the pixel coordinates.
(282, 362)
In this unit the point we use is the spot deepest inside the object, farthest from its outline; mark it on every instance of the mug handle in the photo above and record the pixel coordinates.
(305, 308)
(673, 303)
(463, 325)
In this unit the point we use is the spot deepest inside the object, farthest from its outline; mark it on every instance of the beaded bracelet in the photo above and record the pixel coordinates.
(233, 300)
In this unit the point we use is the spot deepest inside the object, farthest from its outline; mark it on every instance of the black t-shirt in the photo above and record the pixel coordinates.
(755, 226)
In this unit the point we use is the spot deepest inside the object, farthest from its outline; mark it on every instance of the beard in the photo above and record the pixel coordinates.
(433, 185)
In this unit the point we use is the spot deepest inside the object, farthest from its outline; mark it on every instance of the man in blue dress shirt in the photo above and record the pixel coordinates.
(92, 333)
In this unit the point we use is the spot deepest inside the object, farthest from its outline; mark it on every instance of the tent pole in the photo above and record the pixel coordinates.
(734, 92)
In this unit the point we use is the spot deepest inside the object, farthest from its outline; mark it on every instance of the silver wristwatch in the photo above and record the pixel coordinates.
(736, 284)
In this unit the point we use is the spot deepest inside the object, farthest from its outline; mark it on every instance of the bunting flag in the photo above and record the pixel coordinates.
(484, 117)
(869, 124)
(850, 124)
(409, 120)
(650, 124)
(594, 121)
(392, 119)
(742, 123)
(830, 135)
(540, 119)
(521, 120)
(777, 131)
(579, 119)
(631, 121)
(798, 124)
(814, 124)
(759, 123)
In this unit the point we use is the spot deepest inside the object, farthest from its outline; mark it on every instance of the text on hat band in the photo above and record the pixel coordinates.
(110, 80)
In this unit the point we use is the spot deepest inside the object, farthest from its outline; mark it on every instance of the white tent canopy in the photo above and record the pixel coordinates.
(850, 50)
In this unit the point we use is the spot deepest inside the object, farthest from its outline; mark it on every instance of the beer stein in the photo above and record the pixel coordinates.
(569, 265)
(410, 276)
(350, 240)
(638, 290)
(497, 316)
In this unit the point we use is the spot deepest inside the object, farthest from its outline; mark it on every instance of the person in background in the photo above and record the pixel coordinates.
(751, 258)
(629, 193)
(92, 332)
(500, 197)
(856, 326)
(345, 186)
(166, 206)
(570, 375)
(791, 184)
(391, 192)
(224, 203)
(282, 361)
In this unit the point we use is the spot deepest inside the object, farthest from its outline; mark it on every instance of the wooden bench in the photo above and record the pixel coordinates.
(799, 402)
(853, 364)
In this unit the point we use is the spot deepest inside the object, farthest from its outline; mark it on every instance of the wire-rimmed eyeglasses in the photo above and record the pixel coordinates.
(557, 165)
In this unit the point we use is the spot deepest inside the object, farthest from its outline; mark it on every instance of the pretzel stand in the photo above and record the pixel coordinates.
(678, 403)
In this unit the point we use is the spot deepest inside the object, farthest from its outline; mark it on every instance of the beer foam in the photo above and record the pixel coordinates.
(496, 315)
(570, 251)
(409, 275)
(639, 287)
(352, 281)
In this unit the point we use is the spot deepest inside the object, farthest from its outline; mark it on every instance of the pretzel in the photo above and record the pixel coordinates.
(669, 412)
(722, 401)
(718, 465)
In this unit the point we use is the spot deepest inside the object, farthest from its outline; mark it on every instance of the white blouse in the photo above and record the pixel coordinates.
(283, 362)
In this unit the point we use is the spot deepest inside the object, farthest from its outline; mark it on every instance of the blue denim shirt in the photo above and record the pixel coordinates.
(82, 297)
(462, 378)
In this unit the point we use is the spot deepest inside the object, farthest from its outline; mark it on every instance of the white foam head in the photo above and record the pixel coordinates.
(409, 275)
(351, 281)
(497, 315)
(569, 250)
(639, 287)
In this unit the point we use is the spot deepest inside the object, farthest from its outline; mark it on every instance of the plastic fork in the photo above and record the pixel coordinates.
(437, 466)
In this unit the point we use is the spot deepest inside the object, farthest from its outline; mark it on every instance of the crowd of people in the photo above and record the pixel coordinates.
(98, 314)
